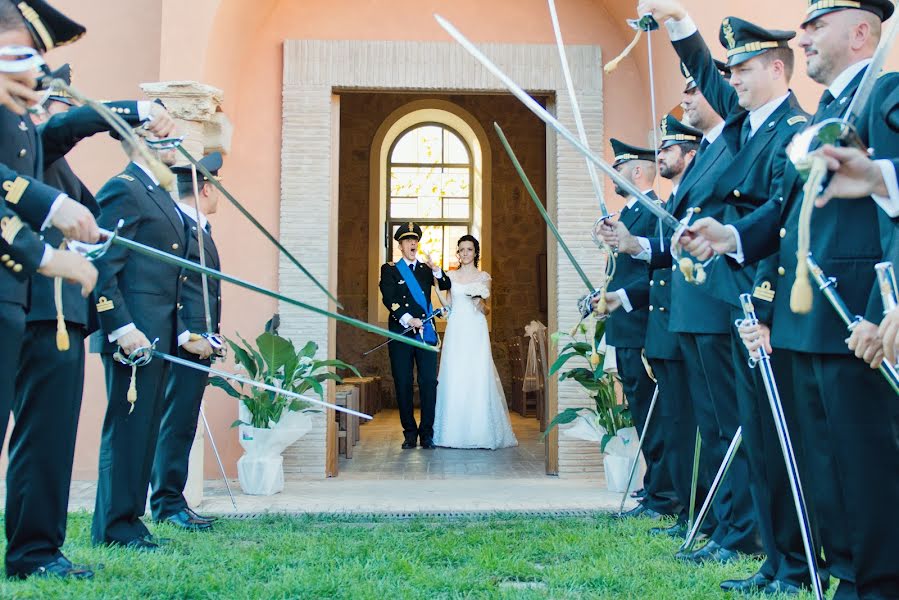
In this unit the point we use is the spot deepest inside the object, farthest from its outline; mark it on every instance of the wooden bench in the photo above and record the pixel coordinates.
(369, 394)
(348, 425)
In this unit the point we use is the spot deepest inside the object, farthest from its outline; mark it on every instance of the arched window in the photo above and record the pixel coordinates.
(430, 172)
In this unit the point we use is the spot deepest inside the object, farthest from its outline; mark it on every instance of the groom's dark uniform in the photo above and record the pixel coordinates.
(398, 297)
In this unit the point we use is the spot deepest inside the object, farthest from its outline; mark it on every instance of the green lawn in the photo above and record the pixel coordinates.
(382, 558)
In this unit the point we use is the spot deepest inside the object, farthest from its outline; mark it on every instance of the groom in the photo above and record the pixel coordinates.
(406, 292)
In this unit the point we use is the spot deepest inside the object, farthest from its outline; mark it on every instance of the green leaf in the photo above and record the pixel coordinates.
(239, 422)
(336, 363)
(560, 362)
(221, 383)
(275, 350)
(244, 359)
(563, 418)
(308, 350)
(606, 438)
(582, 348)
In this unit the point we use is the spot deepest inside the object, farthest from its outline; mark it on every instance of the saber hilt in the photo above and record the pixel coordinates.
(886, 279)
(437, 312)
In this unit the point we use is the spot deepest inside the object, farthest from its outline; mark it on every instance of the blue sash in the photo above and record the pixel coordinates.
(429, 333)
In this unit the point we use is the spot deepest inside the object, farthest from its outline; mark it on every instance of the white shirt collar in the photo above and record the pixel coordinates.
(714, 132)
(631, 200)
(148, 172)
(843, 80)
(758, 116)
(674, 190)
(191, 212)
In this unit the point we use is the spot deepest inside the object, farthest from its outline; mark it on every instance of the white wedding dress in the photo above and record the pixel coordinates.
(471, 405)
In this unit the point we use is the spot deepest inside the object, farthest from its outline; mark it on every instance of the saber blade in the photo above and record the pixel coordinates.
(257, 384)
(630, 478)
(114, 238)
(533, 194)
(240, 207)
(550, 120)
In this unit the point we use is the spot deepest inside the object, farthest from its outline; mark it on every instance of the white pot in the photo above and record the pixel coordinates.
(618, 468)
(261, 469)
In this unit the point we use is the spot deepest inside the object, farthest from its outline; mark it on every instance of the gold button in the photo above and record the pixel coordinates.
(662, 283)
(10, 263)
(180, 306)
(783, 233)
(22, 153)
(674, 268)
(697, 210)
(661, 309)
(184, 278)
(5, 257)
(781, 271)
(651, 283)
(736, 193)
(615, 254)
(650, 308)
(175, 246)
(17, 268)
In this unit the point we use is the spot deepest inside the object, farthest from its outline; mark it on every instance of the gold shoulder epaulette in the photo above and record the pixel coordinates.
(797, 119)
(125, 176)
(394, 307)
(14, 189)
(764, 292)
(10, 227)
(104, 304)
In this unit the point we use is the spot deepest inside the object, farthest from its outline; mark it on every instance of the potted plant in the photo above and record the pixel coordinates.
(269, 422)
(608, 422)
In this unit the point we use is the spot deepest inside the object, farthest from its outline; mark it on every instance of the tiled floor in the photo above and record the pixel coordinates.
(378, 455)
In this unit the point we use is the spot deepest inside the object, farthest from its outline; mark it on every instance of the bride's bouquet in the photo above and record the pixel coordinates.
(477, 290)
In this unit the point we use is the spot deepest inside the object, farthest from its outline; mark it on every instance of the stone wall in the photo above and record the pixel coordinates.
(517, 231)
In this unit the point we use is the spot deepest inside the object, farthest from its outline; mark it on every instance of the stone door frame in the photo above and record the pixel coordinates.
(313, 71)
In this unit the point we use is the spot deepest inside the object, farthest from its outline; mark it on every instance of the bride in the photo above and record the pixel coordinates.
(471, 405)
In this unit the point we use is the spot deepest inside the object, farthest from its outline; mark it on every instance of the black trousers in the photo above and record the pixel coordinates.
(849, 421)
(49, 384)
(718, 420)
(403, 361)
(183, 396)
(127, 448)
(769, 486)
(677, 427)
(638, 389)
(12, 325)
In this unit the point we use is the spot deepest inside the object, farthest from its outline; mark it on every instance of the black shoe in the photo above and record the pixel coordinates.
(778, 587)
(407, 445)
(61, 567)
(641, 493)
(428, 444)
(756, 582)
(639, 511)
(143, 544)
(678, 530)
(698, 556)
(720, 555)
(199, 517)
(183, 520)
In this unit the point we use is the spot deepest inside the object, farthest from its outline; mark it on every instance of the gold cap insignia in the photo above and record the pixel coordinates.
(10, 227)
(664, 126)
(104, 304)
(394, 306)
(728, 32)
(764, 292)
(14, 189)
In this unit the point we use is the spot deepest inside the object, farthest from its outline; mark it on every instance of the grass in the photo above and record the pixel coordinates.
(504, 556)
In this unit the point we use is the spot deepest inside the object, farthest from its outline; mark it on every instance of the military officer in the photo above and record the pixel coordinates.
(137, 299)
(856, 528)
(406, 292)
(761, 117)
(626, 330)
(185, 386)
(668, 439)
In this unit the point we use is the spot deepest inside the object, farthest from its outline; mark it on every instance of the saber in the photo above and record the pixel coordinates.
(218, 458)
(142, 356)
(786, 447)
(575, 107)
(218, 185)
(713, 490)
(585, 304)
(94, 251)
(436, 313)
(886, 278)
(694, 482)
(630, 478)
(828, 286)
(547, 118)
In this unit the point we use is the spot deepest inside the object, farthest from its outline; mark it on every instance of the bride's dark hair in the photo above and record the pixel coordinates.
(477, 246)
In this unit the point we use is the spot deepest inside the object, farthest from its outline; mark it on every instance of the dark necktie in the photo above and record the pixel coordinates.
(745, 131)
(826, 99)
(704, 144)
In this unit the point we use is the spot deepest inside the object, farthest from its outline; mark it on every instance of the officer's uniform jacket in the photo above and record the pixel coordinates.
(396, 296)
(693, 309)
(131, 287)
(755, 173)
(193, 315)
(848, 237)
(654, 294)
(628, 329)
(70, 127)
